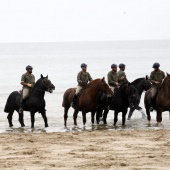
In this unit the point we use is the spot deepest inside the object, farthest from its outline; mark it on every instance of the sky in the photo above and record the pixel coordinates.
(83, 20)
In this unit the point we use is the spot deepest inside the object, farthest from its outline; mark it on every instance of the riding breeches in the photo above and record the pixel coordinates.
(78, 90)
(153, 92)
(25, 93)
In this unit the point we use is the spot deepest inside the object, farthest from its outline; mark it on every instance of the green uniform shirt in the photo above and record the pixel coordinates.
(83, 77)
(120, 74)
(112, 78)
(28, 78)
(157, 76)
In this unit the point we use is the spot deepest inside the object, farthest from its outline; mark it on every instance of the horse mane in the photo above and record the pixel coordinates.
(135, 82)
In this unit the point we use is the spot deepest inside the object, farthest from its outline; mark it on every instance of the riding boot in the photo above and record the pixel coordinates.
(74, 100)
(21, 106)
(151, 105)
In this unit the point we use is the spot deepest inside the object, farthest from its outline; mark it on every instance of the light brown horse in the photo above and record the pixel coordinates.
(162, 101)
(87, 102)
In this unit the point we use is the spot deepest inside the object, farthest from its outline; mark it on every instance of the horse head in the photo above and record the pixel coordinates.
(147, 83)
(46, 84)
(130, 91)
(103, 86)
(166, 81)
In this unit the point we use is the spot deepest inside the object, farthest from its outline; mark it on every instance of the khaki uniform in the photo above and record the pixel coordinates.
(112, 79)
(82, 77)
(121, 73)
(27, 78)
(156, 76)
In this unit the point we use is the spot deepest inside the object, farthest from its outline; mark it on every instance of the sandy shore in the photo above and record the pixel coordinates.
(135, 149)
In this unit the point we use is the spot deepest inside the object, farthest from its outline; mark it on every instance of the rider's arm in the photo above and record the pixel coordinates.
(110, 81)
(79, 78)
(90, 78)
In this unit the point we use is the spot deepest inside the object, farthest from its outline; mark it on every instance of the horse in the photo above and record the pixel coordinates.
(141, 84)
(123, 97)
(34, 103)
(161, 102)
(86, 102)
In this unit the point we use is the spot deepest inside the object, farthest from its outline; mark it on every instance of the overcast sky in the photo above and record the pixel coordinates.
(83, 20)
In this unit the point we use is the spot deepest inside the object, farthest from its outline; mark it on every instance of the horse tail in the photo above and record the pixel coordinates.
(64, 100)
(11, 102)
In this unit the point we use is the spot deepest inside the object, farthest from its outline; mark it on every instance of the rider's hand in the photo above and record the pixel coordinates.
(122, 78)
(117, 84)
(157, 82)
(84, 83)
(29, 85)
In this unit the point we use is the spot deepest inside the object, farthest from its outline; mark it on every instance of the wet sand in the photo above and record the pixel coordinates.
(107, 149)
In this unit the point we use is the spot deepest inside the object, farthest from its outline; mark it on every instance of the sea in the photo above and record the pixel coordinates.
(61, 62)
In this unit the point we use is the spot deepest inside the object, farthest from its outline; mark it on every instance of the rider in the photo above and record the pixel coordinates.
(83, 78)
(121, 74)
(156, 78)
(28, 81)
(112, 77)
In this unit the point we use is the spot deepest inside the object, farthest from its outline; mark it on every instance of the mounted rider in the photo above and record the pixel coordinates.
(121, 74)
(156, 78)
(27, 81)
(112, 77)
(83, 77)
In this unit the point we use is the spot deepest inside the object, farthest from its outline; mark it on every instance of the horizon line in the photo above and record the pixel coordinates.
(83, 41)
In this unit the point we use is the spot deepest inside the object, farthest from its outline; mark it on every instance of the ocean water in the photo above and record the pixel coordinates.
(61, 62)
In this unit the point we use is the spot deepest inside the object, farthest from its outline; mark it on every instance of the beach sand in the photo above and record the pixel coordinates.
(134, 149)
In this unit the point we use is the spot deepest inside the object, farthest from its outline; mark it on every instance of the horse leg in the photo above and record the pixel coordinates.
(92, 117)
(98, 115)
(32, 119)
(9, 117)
(148, 115)
(124, 117)
(21, 119)
(65, 115)
(105, 116)
(45, 118)
(159, 116)
(115, 117)
(130, 113)
(75, 116)
(84, 117)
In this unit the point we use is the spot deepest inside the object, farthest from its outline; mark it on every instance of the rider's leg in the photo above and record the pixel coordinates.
(153, 94)
(25, 93)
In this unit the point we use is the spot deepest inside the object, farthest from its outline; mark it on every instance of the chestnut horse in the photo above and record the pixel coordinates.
(161, 102)
(87, 101)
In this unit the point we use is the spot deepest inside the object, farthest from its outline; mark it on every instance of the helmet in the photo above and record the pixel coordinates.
(83, 65)
(113, 66)
(156, 65)
(121, 65)
(29, 67)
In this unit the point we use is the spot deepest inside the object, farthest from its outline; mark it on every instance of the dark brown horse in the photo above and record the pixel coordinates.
(161, 102)
(87, 102)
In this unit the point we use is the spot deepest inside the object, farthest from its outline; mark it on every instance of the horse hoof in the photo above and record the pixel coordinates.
(46, 125)
(10, 125)
(128, 118)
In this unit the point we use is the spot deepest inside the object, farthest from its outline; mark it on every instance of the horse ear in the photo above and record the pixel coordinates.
(167, 74)
(147, 78)
(42, 76)
(103, 79)
(129, 84)
(47, 76)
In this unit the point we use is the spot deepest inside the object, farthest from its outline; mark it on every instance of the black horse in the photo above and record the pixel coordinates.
(123, 97)
(34, 103)
(141, 84)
